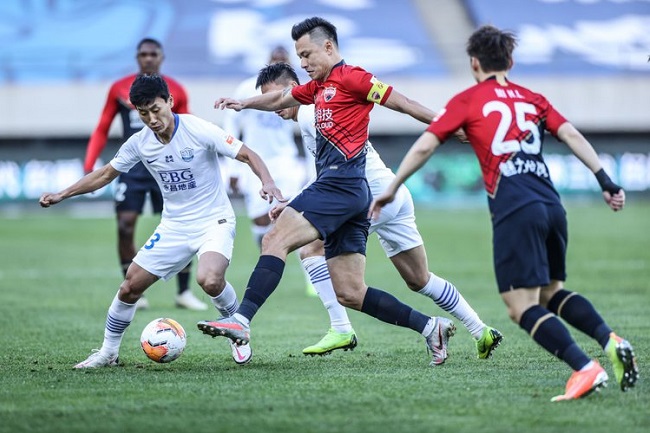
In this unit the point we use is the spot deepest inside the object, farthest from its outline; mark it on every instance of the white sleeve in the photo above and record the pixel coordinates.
(220, 141)
(127, 156)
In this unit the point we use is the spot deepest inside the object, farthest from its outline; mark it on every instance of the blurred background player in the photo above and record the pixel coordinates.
(397, 233)
(134, 187)
(505, 125)
(274, 140)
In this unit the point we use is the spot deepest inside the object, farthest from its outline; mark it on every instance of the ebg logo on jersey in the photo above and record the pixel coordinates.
(177, 180)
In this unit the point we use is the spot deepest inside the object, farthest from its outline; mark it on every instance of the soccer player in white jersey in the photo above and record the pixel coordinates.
(397, 233)
(181, 152)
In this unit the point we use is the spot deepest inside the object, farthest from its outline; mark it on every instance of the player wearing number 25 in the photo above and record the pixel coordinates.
(505, 125)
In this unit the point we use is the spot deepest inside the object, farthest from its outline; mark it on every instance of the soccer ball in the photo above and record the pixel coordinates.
(163, 340)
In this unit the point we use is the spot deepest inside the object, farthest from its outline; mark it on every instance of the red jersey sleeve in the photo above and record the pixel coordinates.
(304, 93)
(99, 136)
(366, 86)
(553, 120)
(450, 118)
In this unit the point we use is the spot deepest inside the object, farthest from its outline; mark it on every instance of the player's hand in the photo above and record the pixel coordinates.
(276, 210)
(615, 201)
(233, 104)
(461, 136)
(378, 203)
(48, 199)
(269, 191)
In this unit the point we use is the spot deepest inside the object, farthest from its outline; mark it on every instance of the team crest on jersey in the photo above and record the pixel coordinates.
(328, 93)
(187, 154)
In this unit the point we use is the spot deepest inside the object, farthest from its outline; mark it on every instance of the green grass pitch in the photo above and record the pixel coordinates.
(58, 274)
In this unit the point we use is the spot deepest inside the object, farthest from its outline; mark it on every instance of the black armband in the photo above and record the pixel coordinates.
(606, 183)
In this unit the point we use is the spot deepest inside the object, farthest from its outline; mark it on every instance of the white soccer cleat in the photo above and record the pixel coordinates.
(97, 360)
(142, 303)
(189, 301)
(241, 354)
(437, 341)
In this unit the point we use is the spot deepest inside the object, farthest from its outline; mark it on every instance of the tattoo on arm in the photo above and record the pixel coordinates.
(286, 91)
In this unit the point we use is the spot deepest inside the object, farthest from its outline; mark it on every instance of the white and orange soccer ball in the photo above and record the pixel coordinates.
(163, 340)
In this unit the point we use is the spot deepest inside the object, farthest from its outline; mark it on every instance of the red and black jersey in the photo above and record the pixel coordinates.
(505, 126)
(118, 102)
(342, 105)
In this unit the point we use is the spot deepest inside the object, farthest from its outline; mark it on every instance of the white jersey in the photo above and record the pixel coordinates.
(186, 170)
(378, 175)
(264, 132)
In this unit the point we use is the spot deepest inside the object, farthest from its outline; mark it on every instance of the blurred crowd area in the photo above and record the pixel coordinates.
(589, 57)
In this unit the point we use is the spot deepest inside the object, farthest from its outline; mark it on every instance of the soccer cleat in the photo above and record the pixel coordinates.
(241, 353)
(331, 341)
(226, 327)
(189, 301)
(310, 290)
(437, 340)
(97, 360)
(584, 382)
(142, 303)
(490, 340)
(621, 355)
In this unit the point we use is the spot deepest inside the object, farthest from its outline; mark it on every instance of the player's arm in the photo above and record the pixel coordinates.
(99, 136)
(269, 190)
(89, 183)
(613, 194)
(269, 101)
(415, 158)
(400, 103)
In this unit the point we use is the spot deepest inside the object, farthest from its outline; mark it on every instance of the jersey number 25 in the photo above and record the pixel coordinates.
(501, 146)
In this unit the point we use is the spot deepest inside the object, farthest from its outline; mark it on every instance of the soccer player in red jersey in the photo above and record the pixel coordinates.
(505, 123)
(335, 206)
(134, 186)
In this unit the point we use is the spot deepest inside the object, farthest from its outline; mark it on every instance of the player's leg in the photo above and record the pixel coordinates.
(347, 277)
(119, 317)
(214, 248)
(521, 265)
(399, 237)
(291, 231)
(340, 335)
(129, 197)
(578, 312)
(412, 266)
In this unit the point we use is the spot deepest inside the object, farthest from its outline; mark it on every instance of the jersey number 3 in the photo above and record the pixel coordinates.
(501, 146)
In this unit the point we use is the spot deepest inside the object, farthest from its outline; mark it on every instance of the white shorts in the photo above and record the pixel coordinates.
(167, 251)
(396, 226)
(289, 175)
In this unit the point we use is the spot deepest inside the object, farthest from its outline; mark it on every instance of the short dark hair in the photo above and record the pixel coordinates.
(492, 47)
(149, 41)
(146, 88)
(276, 72)
(316, 27)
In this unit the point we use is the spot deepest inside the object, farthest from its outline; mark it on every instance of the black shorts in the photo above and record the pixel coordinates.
(132, 189)
(529, 247)
(338, 209)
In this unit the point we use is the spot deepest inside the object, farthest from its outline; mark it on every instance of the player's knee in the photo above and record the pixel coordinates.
(416, 283)
(128, 293)
(349, 299)
(125, 228)
(213, 285)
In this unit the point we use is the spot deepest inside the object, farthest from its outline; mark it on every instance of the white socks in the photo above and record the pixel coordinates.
(447, 297)
(226, 302)
(118, 319)
(319, 275)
